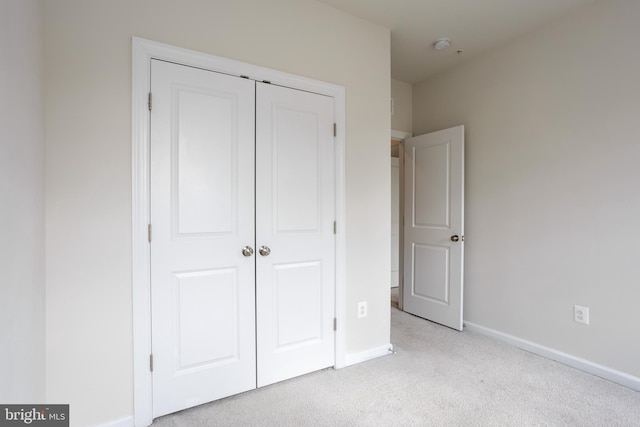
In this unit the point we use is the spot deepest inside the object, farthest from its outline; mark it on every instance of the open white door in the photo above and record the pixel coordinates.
(434, 226)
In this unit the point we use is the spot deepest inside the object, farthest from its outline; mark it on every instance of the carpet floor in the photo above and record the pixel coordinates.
(436, 377)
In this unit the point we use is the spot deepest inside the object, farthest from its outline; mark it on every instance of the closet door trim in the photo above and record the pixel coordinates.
(142, 52)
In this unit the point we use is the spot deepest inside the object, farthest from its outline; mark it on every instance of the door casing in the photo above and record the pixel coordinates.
(400, 136)
(142, 52)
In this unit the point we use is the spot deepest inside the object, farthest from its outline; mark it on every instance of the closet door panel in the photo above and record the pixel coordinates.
(202, 215)
(294, 228)
(236, 164)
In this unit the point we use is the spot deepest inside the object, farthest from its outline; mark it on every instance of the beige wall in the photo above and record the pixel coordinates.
(22, 342)
(88, 119)
(402, 95)
(552, 182)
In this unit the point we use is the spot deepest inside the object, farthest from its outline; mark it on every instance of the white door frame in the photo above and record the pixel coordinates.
(400, 136)
(142, 53)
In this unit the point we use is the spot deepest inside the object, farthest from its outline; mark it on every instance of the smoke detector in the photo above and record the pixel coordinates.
(442, 43)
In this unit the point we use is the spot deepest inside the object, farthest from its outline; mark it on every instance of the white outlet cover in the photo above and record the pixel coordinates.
(581, 314)
(362, 309)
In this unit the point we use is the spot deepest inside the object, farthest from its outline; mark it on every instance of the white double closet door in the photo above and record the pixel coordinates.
(243, 244)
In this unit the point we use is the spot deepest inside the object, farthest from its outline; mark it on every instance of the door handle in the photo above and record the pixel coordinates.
(264, 250)
(455, 238)
(247, 251)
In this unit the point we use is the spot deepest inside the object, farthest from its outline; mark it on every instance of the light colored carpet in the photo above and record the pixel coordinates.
(437, 377)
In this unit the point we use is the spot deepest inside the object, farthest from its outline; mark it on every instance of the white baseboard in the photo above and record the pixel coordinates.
(122, 422)
(564, 358)
(363, 356)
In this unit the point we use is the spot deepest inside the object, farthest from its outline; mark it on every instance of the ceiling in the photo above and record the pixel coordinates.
(474, 26)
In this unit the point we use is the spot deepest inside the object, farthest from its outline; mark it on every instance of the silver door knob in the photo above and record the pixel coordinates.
(247, 251)
(264, 250)
(455, 238)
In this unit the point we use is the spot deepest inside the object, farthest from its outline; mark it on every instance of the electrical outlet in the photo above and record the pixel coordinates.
(581, 314)
(362, 309)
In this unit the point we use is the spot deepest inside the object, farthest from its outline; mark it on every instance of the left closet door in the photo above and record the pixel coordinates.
(202, 211)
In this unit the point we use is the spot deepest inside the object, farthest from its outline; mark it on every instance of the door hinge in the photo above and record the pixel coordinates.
(335, 227)
(335, 129)
(149, 233)
(150, 98)
(335, 324)
(151, 362)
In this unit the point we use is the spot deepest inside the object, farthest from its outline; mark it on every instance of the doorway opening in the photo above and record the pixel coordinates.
(431, 225)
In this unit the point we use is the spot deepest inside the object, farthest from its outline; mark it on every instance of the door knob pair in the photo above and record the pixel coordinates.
(248, 251)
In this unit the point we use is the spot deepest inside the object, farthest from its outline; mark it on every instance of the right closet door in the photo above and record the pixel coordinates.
(295, 211)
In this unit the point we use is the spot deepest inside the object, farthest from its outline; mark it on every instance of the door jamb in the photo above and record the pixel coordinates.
(400, 136)
(142, 52)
